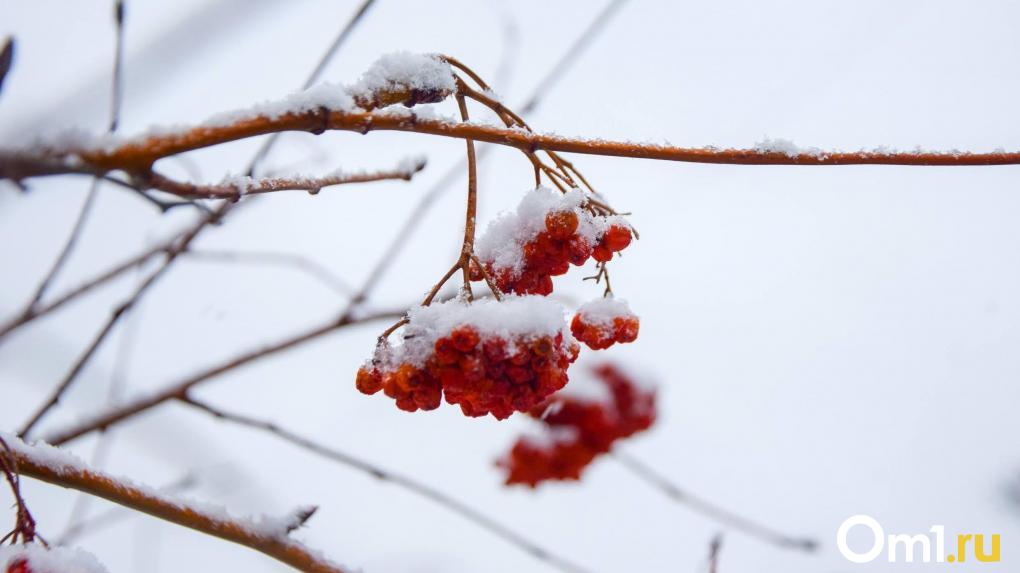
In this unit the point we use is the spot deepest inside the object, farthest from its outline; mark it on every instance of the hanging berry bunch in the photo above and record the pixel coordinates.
(603, 322)
(489, 357)
(581, 423)
(509, 353)
(547, 233)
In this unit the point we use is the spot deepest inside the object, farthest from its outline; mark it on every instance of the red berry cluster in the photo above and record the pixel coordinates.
(599, 335)
(593, 428)
(484, 376)
(19, 565)
(551, 252)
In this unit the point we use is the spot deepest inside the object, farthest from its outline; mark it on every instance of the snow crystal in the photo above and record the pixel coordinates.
(514, 317)
(603, 310)
(426, 72)
(503, 242)
(53, 560)
(333, 97)
(786, 147)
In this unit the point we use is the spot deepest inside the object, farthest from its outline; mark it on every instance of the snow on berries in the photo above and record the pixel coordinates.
(548, 232)
(34, 558)
(488, 356)
(580, 423)
(603, 322)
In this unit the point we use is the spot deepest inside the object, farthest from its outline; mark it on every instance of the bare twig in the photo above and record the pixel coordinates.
(726, 517)
(34, 464)
(24, 523)
(314, 269)
(409, 484)
(341, 37)
(714, 547)
(116, 90)
(84, 288)
(175, 391)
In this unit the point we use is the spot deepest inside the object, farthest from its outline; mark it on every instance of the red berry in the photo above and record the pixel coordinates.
(594, 427)
(601, 253)
(561, 224)
(19, 565)
(368, 381)
(616, 238)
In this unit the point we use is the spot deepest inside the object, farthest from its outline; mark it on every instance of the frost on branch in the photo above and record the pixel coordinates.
(406, 79)
(34, 558)
(398, 78)
(603, 322)
(490, 357)
(581, 423)
(547, 233)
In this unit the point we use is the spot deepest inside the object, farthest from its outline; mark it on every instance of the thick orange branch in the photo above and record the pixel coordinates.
(140, 154)
(138, 499)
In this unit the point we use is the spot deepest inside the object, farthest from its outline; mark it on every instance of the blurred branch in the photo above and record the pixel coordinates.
(116, 90)
(339, 41)
(408, 484)
(41, 464)
(714, 547)
(304, 264)
(176, 391)
(6, 60)
(713, 511)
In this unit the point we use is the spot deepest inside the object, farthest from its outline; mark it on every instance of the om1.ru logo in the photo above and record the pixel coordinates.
(911, 544)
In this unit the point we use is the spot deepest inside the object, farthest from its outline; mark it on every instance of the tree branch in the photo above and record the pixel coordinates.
(408, 484)
(713, 511)
(175, 391)
(138, 155)
(58, 468)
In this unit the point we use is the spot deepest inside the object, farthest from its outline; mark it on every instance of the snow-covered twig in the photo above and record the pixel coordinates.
(268, 535)
(233, 188)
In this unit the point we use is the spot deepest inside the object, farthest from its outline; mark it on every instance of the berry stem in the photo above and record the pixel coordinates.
(468, 250)
(488, 278)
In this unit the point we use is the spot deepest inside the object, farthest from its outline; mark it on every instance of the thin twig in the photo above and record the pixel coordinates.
(468, 249)
(312, 268)
(174, 391)
(24, 524)
(724, 516)
(116, 89)
(714, 547)
(341, 37)
(409, 484)
(37, 465)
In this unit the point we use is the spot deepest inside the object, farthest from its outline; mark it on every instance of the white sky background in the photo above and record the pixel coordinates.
(831, 340)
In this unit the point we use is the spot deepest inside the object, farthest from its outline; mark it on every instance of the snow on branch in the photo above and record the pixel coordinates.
(268, 535)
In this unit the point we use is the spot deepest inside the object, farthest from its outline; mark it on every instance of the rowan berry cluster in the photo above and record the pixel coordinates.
(489, 357)
(19, 565)
(580, 428)
(549, 231)
(604, 322)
